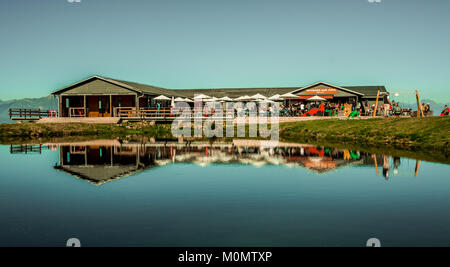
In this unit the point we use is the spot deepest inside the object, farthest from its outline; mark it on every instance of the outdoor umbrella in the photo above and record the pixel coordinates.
(162, 97)
(225, 98)
(214, 99)
(201, 96)
(179, 99)
(188, 100)
(316, 98)
(243, 98)
(266, 101)
(258, 96)
(275, 97)
(289, 96)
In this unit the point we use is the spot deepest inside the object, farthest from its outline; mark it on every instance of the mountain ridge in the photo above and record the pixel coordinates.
(43, 103)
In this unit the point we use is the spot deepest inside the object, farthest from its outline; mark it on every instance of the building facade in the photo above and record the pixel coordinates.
(105, 97)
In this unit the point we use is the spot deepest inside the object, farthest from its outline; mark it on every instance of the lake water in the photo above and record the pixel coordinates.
(111, 193)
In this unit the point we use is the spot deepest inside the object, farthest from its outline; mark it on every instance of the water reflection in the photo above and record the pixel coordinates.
(102, 161)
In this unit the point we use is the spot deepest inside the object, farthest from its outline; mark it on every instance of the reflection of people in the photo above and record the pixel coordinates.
(396, 164)
(386, 167)
(346, 154)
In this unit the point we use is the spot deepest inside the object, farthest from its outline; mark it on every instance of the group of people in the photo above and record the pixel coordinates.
(350, 109)
(300, 109)
(390, 109)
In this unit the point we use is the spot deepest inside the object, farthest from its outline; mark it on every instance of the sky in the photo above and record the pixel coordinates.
(49, 44)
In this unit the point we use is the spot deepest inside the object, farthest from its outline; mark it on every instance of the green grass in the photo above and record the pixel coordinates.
(429, 132)
(19, 132)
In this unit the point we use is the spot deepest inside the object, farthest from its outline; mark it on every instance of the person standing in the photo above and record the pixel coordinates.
(386, 167)
(387, 104)
(446, 111)
(158, 108)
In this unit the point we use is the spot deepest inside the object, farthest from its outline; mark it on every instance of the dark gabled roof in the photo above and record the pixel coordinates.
(149, 89)
(111, 81)
(99, 174)
(327, 84)
(135, 87)
(235, 92)
(368, 91)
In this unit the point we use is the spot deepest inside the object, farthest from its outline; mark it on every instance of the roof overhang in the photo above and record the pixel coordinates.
(95, 77)
(326, 84)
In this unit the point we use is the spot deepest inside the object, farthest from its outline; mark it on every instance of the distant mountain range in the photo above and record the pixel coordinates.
(43, 103)
(50, 102)
(435, 107)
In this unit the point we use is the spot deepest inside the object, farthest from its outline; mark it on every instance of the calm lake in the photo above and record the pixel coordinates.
(111, 193)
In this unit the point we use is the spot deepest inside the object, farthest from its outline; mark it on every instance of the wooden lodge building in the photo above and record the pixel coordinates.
(105, 97)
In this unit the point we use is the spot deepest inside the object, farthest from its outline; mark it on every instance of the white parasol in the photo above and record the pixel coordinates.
(162, 97)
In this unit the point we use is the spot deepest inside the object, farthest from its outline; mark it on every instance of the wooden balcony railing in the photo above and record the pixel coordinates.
(132, 112)
(77, 112)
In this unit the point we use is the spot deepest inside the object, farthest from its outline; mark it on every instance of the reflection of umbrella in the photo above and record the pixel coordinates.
(316, 98)
(162, 97)
(289, 96)
(201, 96)
(225, 98)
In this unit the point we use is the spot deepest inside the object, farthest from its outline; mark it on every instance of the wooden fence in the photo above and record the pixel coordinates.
(25, 149)
(30, 114)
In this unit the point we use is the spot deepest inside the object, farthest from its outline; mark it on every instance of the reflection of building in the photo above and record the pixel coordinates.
(25, 149)
(101, 163)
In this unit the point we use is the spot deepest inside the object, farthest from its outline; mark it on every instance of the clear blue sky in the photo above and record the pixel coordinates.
(403, 44)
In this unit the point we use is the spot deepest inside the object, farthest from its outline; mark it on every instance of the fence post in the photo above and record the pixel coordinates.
(376, 105)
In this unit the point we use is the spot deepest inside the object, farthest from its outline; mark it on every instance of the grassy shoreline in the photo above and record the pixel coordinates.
(13, 132)
(429, 132)
(429, 137)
